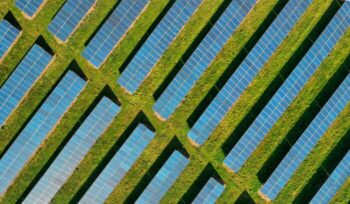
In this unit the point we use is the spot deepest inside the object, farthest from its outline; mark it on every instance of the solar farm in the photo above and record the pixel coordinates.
(174, 101)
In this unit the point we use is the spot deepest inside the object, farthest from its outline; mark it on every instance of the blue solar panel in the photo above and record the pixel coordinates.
(8, 35)
(74, 152)
(164, 179)
(248, 69)
(120, 164)
(307, 141)
(69, 17)
(289, 89)
(113, 30)
(29, 7)
(210, 192)
(22, 79)
(334, 182)
(156, 44)
(38, 128)
(202, 57)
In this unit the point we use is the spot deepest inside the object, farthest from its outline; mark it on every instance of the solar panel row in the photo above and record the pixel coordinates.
(156, 44)
(120, 164)
(307, 141)
(164, 179)
(29, 7)
(334, 182)
(202, 57)
(289, 89)
(8, 36)
(69, 17)
(74, 152)
(248, 69)
(210, 192)
(113, 30)
(38, 128)
(22, 79)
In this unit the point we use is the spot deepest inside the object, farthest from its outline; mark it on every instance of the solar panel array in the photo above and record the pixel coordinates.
(248, 69)
(74, 152)
(38, 128)
(60, 178)
(156, 44)
(120, 164)
(29, 7)
(202, 57)
(307, 140)
(210, 192)
(113, 30)
(69, 17)
(338, 177)
(8, 35)
(22, 79)
(289, 90)
(164, 179)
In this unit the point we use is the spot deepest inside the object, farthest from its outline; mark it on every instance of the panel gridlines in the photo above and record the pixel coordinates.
(210, 192)
(22, 79)
(74, 152)
(120, 164)
(164, 179)
(156, 44)
(29, 7)
(69, 17)
(202, 57)
(112, 31)
(248, 69)
(307, 141)
(38, 128)
(8, 35)
(334, 182)
(289, 89)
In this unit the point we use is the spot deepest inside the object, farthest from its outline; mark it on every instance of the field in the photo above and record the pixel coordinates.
(204, 161)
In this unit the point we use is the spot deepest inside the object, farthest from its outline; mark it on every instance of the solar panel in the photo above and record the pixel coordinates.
(307, 141)
(247, 70)
(69, 17)
(289, 89)
(38, 128)
(8, 36)
(156, 44)
(22, 79)
(74, 152)
(164, 179)
(334, 182)
(210, 192)
(120, 164)
(29, 7)
(202, 57)
(113, 30)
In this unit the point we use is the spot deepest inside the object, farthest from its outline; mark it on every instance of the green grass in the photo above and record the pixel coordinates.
(211, 152)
